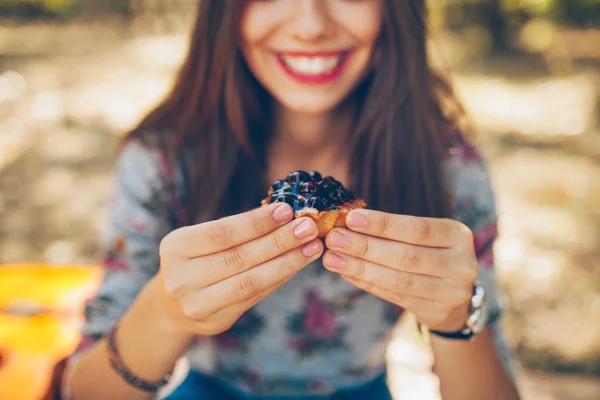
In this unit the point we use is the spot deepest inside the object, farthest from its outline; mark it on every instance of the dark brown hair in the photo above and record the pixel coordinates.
(221, 114)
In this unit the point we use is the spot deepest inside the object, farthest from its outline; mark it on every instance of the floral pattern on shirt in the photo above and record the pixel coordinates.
(114, 255)
(315, 327)
(240, 335)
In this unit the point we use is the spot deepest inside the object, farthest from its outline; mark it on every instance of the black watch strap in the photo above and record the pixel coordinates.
(464, 334)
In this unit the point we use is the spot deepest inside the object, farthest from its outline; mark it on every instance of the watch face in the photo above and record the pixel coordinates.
(478, 297)
(473, 319)
(478, 318)
(481, 322)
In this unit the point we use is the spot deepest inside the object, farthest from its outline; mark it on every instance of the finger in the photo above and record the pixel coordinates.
(418, 306)
(233, 311)
(215, 236)
(252, 284)
(430, 232)
(242, 306)
(406, 283)
(204, 271)
(397, 255)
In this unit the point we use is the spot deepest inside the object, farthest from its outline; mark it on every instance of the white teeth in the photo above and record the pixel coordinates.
(312, 65)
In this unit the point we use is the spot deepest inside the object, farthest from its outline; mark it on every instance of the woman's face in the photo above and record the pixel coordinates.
(309, 54)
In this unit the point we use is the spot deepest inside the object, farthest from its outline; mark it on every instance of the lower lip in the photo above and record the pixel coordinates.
(315, 79)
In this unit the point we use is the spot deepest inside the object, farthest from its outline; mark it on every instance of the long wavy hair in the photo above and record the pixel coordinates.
(219, 114)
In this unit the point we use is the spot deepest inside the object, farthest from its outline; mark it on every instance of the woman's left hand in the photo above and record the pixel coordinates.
(425, 265)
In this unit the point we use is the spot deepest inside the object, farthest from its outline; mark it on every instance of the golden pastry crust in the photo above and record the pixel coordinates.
(327, 220)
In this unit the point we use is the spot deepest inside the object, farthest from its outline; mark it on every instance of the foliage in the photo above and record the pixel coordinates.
(503, 18)
(578, 12)
(33, 8)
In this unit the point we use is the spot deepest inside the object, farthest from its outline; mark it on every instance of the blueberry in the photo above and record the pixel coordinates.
(278, 185)
(345, 196)
(285, 198)
(323, 189)
(298, 176)
(301, 189)
(315, 176)
(329, 205)
(335, 199)
(316, 202)
(328, 187)
(286, 188)
(298, 205)
(307, 188)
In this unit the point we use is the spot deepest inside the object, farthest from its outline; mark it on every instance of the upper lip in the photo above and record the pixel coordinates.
(324, 53)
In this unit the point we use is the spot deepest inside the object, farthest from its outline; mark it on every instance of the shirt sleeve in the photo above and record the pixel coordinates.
(474, 205)
(137, 221)
(143, 208)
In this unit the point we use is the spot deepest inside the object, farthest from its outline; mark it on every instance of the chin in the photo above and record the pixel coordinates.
(310, 105)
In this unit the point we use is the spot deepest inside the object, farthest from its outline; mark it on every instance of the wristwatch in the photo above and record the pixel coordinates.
(476, 320)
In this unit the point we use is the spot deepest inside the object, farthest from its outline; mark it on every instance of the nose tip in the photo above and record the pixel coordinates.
(312, 19)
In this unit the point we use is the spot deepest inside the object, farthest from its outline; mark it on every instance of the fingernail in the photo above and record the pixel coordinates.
(283, 213)
(356, 219)
(339, 240)
(336, 261)
(304, 230)
(310, 249)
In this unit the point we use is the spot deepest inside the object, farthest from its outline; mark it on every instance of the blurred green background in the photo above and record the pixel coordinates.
(76, 74)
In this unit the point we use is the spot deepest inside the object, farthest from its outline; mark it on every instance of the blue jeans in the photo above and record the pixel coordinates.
(198, 386)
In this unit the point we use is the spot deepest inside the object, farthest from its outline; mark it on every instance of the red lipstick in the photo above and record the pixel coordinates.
(323, 78)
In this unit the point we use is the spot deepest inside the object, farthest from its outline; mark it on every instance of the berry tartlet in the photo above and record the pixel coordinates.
(325, 200)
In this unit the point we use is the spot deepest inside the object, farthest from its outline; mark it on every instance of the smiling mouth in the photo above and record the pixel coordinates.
(312, 65)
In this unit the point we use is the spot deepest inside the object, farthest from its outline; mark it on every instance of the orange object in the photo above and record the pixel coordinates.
(16, 385)
(46, 285)
(31, 345)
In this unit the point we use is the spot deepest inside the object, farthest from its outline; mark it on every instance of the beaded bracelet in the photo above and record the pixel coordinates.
(123, 371)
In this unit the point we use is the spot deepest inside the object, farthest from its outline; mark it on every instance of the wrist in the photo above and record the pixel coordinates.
(156, 306)
(475, 321)
(145, 326)
(455, 322)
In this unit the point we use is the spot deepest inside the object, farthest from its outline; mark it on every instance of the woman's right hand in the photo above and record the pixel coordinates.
(213, 272)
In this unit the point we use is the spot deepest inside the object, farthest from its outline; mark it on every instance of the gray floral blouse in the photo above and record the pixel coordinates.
(317, 333)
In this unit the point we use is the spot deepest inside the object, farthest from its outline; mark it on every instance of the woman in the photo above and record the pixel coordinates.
(338, 86)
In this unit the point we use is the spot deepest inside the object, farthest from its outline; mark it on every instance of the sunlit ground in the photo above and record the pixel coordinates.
(67, 94)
